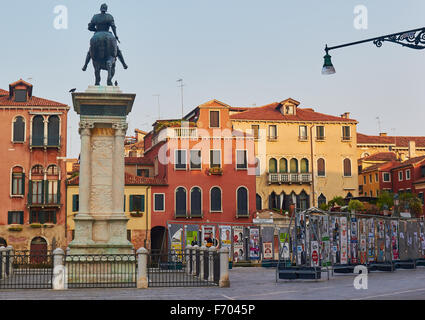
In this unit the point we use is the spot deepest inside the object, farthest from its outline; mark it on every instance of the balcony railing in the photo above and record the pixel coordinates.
(45, 142)
(290, 178)
(191, 133)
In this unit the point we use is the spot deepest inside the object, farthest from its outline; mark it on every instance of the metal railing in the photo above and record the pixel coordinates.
(101, 271)
(290, 178)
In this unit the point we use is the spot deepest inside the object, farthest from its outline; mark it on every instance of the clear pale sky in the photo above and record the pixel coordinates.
(243, 53)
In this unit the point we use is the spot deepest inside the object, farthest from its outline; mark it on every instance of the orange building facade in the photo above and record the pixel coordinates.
(32, 169)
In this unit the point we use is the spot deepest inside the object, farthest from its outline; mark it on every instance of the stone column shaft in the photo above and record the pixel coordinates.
(118, 175)
(85, 171)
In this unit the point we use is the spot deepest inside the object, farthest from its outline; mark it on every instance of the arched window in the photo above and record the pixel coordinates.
(181, 201)
(321, 167)
(242, 201)
(19, 129)
(304, 165)
(321, 199)
(52, 170)
(304, 202)
(293, 165)
(272, 165)
(195, 202)
(273, 201)
(283, 165)
(215, 199)
(258, 202)
(37, 170)
(37, 131)
(18, 181)
(53, 131)
(347, 167)
(53, 184)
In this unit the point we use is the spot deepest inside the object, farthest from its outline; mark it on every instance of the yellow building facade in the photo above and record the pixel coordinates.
(136, 205)
(304, 158)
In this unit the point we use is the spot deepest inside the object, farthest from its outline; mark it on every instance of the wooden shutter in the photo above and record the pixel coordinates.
(124, 204)
(54, 216)
(23, 183)
(347, 167)
(131, 203)
(214, 119)
(75, 207)
(59, 192)
(142, 203)
(30, 192)
(9, 217)
(21, 217)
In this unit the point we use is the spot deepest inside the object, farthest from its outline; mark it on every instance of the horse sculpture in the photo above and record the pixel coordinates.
(104, 49)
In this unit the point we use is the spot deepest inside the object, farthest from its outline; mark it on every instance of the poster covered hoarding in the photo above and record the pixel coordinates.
(394, 240)
(226, 238)
(363, 241)
(354, 241)
(238, 243)
(284, 250)
(208, 236)
(344, 241)
(254, 243)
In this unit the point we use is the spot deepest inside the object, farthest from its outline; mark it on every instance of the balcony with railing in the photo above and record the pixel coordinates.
(45, 142)
(289, 178)
(184, 132)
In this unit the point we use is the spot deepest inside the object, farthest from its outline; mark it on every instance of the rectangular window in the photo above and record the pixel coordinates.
(370, 178)
(195, 159)
(180, 160)
(386, 177)
(15, 217)
(255, 130)
(37, 192)
(408, 174)
(137, 203)
(75, 203)
(320, 133)
(376, 177)
(421, 197)
(364, 180)
(272, 132)
(52, 193)
(423, 171)
(241, 159)
(143, 173)
(43, 217)
(400, 176)
(17, 184)
(21, 95)
(214, 119)
(159, 202)
(155, 166)
(303, 133)
(346, 133)
(215, 159)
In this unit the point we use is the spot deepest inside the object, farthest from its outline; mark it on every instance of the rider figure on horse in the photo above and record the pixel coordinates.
(103, 42)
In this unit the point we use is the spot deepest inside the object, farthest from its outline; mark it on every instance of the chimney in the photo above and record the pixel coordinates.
(345, 115)
(412, 149)
(383, 134)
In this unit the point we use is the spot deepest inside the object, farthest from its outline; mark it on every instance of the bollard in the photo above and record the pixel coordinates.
(59, 273)
(2, 262)
(188, 259)
(11, 259)
(224, 268)
(194, 252)
(211, 251)
(142, 268)
(201, 262)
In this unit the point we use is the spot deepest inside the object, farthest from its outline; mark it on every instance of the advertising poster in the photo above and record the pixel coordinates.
(192, 235)
(315, 254)
(354, 243)
(238, 247)
(267, 250)
(388, 254)
(226, 238)
(336, 245)
(176, 238)
(284, 244)
(370, 240)
(394, 240)
(300, 238)
(380, 227)
(363, 241)
(422, 239)
(325, 245)
(254, 243)
(344, 240)
(208, 236)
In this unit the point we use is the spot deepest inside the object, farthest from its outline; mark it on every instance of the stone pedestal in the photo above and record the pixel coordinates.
(101, 224)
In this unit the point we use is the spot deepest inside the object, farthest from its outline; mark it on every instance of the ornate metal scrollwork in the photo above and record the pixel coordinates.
(412, 39)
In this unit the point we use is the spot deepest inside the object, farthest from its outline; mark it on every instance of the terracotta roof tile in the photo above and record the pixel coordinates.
(399, 141)
(32, 101)
(138, 160)
(271, 112)
(381, 156)
(381, 166)
(411, 161)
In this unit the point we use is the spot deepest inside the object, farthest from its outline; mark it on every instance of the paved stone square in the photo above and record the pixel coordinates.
(255, 284)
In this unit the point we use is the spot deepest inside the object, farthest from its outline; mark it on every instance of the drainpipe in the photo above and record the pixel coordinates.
(312, 166)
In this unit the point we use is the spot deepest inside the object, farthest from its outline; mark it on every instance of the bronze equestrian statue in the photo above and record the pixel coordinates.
(104, 49)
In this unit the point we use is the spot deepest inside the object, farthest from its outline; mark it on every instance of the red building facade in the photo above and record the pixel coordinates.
(209, 169)
(33, 172)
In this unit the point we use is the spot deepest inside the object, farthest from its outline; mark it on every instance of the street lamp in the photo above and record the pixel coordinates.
(414, 39)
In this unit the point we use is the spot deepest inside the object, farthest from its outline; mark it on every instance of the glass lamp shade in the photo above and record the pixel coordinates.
(328, 68)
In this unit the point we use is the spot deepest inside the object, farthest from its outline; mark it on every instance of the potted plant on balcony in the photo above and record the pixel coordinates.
(15, 227)
(36, 225)
(136, 214)
(215, 171)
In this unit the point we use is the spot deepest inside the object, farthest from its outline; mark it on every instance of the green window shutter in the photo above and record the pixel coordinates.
(21, 217)
(9, 217)
(131, 203)
(74, 202)
(23, 183)
(124, 203)
(30, 220)
(142, 205)
(43, 190)
(30, 192)
(54, 217)
(59, 192)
